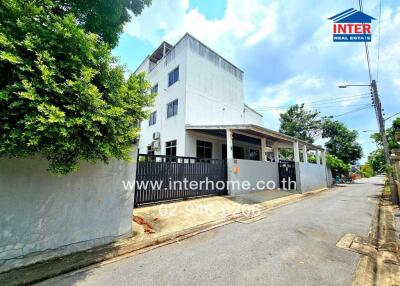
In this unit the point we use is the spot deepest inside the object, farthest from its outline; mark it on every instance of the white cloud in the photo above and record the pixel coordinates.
(245, 22)
(273, 37)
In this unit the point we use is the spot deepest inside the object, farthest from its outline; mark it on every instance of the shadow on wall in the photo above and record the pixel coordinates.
(44, 215)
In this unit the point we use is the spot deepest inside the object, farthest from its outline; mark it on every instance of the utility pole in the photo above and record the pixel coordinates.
(381, 123)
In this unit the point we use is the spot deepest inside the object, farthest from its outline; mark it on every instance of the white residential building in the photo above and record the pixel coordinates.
(200, 112)
(194, 86)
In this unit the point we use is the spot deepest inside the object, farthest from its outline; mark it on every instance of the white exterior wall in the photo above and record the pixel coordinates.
(312, 177)
(172, 128)
(252, 117)
(253, 172)
(214, 96)
(207, 94)
(43, 215)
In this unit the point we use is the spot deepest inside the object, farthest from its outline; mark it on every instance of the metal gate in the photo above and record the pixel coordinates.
(287, 175)
(163, 178)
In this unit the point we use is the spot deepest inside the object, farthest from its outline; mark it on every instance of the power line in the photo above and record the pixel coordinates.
(366, 47)
(379, 40)
(352, 111)
(319, 103)
(391, 116)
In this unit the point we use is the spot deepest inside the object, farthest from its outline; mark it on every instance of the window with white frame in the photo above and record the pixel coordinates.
(150, 150)
(153, 118)
(154, 89)
(170, 148)
(203, 149)
(173, 76)
(172, 108)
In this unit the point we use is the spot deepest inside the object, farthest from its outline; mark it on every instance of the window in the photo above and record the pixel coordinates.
(153, 118)
(204, 149)
(150, 150)
(173, 76)
(172, 108)
(170, 148)
(154, 89)
(254, 154)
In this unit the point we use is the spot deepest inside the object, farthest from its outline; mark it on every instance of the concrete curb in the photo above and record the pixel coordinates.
(383, 268)
(44, 270)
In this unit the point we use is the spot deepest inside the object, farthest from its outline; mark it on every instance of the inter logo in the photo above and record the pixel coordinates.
(351, 26)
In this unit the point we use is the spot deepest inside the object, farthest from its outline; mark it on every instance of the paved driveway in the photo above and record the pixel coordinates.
(293, 245)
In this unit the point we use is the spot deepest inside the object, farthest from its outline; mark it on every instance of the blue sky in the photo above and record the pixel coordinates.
(285, 49)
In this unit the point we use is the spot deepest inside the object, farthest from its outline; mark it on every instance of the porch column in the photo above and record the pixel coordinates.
(305, 158)
(263, 149)
(324, 157)
(318, 157)
(229, 144)
(276, 152)
(296, 151)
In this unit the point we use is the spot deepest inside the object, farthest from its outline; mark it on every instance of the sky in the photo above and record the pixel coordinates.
(286, 51)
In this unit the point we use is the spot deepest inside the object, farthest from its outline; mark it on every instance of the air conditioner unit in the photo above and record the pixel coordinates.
(156, 135)
(155, 145)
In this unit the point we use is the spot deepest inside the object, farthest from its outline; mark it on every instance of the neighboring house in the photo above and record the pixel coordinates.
(200, 112)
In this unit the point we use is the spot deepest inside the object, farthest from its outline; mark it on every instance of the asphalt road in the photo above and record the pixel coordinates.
(293, 245)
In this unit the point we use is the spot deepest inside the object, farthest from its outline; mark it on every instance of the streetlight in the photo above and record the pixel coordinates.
(346, 85)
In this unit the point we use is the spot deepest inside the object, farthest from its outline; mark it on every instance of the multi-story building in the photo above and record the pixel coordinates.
(194, 86)
(200, 112)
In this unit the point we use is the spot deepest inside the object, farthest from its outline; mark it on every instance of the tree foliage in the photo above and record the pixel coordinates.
(342, 142)
(376, 160)
(300, 123)
(103, 17)
(337, 166)
(390, 134)
(62, 94)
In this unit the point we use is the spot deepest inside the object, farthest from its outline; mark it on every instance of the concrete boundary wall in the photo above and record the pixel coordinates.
(44, 215)
(252, 171)
(312, 177)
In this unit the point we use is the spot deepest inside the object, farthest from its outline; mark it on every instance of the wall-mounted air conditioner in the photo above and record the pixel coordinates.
(156, 135)
(155, 145)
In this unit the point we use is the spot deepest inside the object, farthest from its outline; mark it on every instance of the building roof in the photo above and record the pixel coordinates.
(351, 16)
(255, 130)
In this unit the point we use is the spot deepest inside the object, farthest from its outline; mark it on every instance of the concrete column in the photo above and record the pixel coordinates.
(276, 152)
(263, 149)
(296, 151)
(324, 157)
(305, 158)
(229, 144)
(318, 157)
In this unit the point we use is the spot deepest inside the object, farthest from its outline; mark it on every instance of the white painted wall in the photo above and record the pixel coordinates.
(172, 128)
(210, 91)
(312, 176)
(252, 117)
(44, 215)
(252, 171)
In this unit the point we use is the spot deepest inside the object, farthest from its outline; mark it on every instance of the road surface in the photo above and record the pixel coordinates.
(293, 245)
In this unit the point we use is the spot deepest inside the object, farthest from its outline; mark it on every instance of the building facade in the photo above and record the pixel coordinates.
(194, 86)
(200, 112)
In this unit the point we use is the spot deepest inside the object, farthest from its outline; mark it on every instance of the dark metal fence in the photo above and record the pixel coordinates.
(287, 173)
(162, 178)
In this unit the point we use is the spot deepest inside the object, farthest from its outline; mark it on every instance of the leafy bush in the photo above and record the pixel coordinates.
(367, 170)
(62, 94)
(337, 166)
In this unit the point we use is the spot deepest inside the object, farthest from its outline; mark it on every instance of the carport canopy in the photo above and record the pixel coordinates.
(267, 136)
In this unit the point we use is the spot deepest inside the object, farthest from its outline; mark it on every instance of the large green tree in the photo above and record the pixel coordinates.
(301, 123)
(103, 17)
(342, 142)
(377, 160)
(390, 134)
(62, 94)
